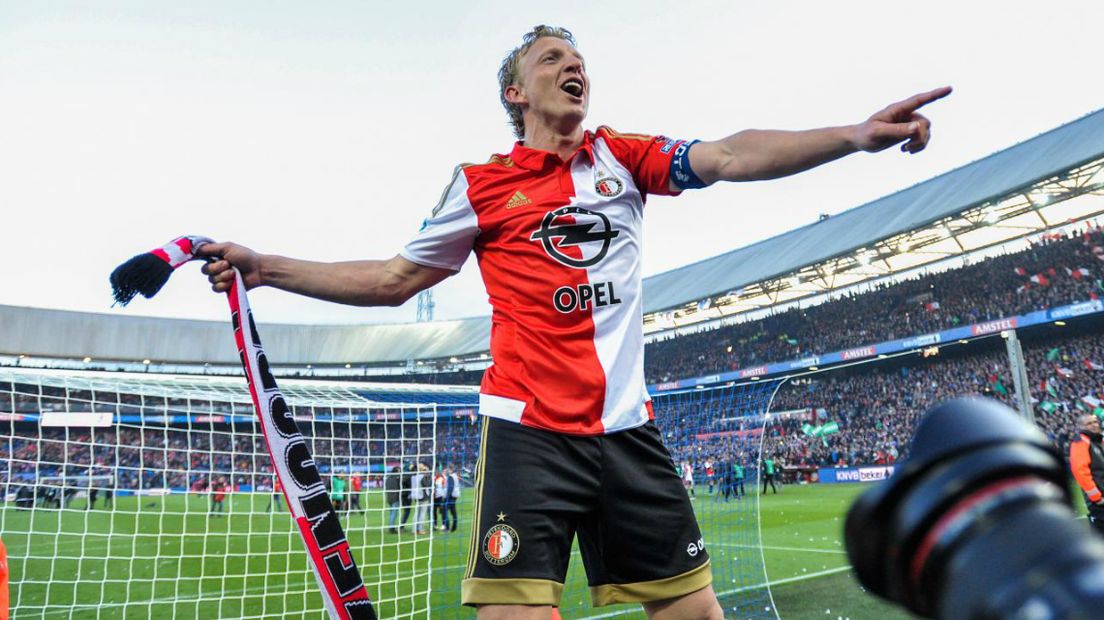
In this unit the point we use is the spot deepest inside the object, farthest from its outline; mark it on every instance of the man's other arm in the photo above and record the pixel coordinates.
(357, 283)
(760, 154)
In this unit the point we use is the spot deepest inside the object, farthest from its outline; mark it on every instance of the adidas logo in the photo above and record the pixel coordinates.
(518, 200)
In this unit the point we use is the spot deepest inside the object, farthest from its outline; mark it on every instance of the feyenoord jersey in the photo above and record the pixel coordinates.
(559, 246)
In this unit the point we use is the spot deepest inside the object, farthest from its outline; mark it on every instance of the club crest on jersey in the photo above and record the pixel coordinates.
(575, 227)
(501, 544)
(608, 186)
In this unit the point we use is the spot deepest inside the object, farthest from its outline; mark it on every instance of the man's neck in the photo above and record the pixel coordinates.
(545, 138)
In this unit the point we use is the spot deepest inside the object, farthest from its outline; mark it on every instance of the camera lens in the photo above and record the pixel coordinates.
(976, 524)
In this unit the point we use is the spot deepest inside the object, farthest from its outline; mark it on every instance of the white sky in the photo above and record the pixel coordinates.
(328, 130)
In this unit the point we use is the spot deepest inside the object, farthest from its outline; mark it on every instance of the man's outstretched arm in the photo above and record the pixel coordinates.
(757, 154)
(357, 283)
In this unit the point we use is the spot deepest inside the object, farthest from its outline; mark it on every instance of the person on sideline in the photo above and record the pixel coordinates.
(1087, 464)
(452, 496)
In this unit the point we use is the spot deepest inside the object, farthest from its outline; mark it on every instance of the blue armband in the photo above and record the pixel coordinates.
(681, 173)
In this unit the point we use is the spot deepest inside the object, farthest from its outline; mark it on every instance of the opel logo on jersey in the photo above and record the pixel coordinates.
(590, 232)
(608, 186)
(694, 549)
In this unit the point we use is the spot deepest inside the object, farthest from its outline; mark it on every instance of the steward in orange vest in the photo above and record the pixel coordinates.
(1087, 464)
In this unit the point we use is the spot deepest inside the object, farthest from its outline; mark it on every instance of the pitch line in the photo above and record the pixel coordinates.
(769, 548)
(794, 579)
(309, 585)
(199, 597)
(777, 582)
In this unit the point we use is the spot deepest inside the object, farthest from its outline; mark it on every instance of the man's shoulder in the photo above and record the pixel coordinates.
(498, 162)
(605, 131)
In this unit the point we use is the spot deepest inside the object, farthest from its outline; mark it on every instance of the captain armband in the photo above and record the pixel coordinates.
(681, 173)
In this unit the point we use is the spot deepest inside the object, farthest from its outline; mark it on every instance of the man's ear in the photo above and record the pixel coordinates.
(516, 95)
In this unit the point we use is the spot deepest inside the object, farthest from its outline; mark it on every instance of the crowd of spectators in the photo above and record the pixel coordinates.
(876, 407)
(1065, 269)
(873, 408)
(1054, 270)
(181, 457)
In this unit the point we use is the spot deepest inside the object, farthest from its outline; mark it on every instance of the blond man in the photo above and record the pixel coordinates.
(569, 445)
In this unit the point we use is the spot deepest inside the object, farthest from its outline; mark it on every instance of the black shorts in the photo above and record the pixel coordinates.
(620, 492)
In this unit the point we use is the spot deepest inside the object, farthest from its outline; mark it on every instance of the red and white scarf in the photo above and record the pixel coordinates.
(343, 589)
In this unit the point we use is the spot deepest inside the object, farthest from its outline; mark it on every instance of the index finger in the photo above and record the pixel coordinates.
(916, 102)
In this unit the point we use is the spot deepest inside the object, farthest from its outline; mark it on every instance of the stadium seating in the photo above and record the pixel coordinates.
(991, 289)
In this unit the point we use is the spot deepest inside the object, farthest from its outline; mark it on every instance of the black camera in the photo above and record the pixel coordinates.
(977, 524)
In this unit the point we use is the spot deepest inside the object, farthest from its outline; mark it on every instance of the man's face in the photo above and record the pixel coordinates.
(552, 81)
(1091, 424)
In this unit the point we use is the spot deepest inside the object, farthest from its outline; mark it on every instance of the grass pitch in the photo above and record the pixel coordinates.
(165, 557)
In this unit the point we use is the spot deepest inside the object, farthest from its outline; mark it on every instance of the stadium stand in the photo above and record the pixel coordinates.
(165, 442)
(1056, 270)
(179, 457)
(877, 405)
(1040, 183)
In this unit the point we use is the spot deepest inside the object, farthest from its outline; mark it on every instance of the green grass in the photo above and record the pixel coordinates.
(803, 545)
(165, 558)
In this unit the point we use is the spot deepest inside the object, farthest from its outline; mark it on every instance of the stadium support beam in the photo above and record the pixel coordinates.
(1018, 365)
(425, 306)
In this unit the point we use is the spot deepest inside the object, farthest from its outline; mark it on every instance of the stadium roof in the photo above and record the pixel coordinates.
(1052, 153)
(74, 335)
(984, 203)
(306, 392)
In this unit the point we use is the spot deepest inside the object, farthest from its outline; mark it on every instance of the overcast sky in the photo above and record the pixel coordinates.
(327, 130)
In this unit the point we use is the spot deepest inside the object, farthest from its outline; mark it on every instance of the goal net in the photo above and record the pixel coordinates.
(714, 433)
(133, 497)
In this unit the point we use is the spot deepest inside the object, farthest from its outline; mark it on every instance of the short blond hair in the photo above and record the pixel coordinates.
(508, 72)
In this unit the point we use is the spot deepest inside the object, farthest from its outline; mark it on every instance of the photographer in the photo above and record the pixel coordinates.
(1087, 463)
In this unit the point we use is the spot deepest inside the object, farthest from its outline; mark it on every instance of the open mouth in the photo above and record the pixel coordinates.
(573, 87)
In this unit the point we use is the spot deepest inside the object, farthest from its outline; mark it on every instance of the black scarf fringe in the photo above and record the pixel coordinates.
(144, 274)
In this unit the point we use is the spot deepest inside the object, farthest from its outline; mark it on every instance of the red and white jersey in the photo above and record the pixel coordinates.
(559, 246)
